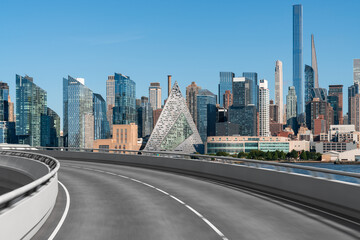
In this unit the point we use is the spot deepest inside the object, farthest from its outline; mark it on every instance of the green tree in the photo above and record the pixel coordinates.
(275, 156)
(294, 154)
(242, 155)
(303, 155)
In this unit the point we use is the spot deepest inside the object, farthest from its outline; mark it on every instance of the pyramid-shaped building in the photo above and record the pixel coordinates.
(175, 129)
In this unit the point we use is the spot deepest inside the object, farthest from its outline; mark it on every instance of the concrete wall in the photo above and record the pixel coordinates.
(341, 198)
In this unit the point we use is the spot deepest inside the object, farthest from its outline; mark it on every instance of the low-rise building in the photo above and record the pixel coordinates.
(324, 147)
(236, 144)
(125, 137)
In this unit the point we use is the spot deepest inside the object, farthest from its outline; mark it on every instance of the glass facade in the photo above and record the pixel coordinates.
(7, 132)
(309, 82)
(4, 104)
(291, 114)
(31, 104)
(298, 56)
(78, 106)
(226, 79)
(253, 86)
(236, 147)
(206, 113)
(241, 91)
(124, 111)
(246, 117)
(101, 124)
(145, 119)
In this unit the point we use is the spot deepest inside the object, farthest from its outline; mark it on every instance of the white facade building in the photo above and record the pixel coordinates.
(279, 90)
(155, 95)
(264, 113)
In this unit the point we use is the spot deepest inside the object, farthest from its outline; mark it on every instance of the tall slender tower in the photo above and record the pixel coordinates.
(264, 111)
(314, 62)
(356, 71)
(298, 56)
(279, 90)
(191, 99)
(155, 95)
(169, 85)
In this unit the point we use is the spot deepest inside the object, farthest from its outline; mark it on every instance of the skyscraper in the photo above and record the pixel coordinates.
(50, 129)
(78, 113)
(4, 101)
(352, 92)
(110, 99)
(31, 104)
(279, 90)
(155, 95)
(7, 125)
(264, 114)
(124, 111)
(319, 109)
(145, 118)
(228, 99)
(314, 62)
(291, 108)
(309, 82)
(225, 84)
(206, 113)
(253, 86)
(191, 93)
(335, 98)
(101, 124)
(298, 56)
(356, 71)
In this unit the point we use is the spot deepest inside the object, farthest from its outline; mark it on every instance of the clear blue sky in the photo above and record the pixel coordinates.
(191, 40)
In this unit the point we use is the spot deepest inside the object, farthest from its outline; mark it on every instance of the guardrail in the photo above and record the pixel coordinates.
(30, 204)
(281, 167)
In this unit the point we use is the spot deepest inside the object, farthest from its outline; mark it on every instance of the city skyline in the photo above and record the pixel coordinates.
(49, 66)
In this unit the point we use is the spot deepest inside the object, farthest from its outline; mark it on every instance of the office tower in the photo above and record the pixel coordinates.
(4, 101)
(169, 85)
(309, 82)
(314, 62)
(155, 95)
(335, 98)
(314, 109)
(206, 113)
(78, 113)
(226, 79)
(320, 93)
(274, 112)
(50, 129)
(228, 99)
(7, 132)
(110, 100)
(355, 112)
(101, 124)
(31, 103)
(124, 111)
(352, 92)
(253, 86)
(145, 118)
(11, 110)
(291, 108)
(191, 92)
(279, 90)
(175, 129)
(242, 112)
(356, 71)
(264, 120)
(298, 56)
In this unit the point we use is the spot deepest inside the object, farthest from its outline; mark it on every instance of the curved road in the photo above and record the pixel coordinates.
(121, 202)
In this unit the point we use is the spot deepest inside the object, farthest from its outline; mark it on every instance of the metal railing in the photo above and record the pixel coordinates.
(282, 167)
(8, 199)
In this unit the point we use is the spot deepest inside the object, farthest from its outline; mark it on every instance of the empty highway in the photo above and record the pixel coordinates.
(121, 202)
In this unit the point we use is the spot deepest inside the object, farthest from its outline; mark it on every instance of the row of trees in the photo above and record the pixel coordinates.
(277, 155)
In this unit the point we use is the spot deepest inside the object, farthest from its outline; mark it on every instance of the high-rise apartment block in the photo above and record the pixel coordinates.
(124, 111)
(78, 113)
(298, 56)
(191, 97)
(335, 98)
(356, 71)
(110, 99)
(309, 83)
(264, 114)
(291, 109)
(145, 118)
(352, 92)
(155, 95)
(31, 104)
(253, 87)
(279, 90)
(319, 109)
(101, 124)
(226, 79)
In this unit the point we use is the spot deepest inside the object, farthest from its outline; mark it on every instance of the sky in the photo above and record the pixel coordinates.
(190, 40)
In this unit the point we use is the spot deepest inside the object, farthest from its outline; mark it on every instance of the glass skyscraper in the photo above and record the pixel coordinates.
(31, 104)
(78, 113)
(4, 104)
(145, 118)
(101, 124)
(206, 113)
(309, 82)
(291, 114)
(225, 84)
(298, 56)
(124, 111)
(254, 87)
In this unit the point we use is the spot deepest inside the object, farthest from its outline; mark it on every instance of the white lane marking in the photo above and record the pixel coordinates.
(212, 226)
(63, 217)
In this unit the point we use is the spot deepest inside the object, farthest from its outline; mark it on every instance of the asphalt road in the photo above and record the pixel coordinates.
(121, 202)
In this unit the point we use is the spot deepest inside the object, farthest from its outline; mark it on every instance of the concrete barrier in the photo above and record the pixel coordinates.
(339, 197)
(25, 209)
